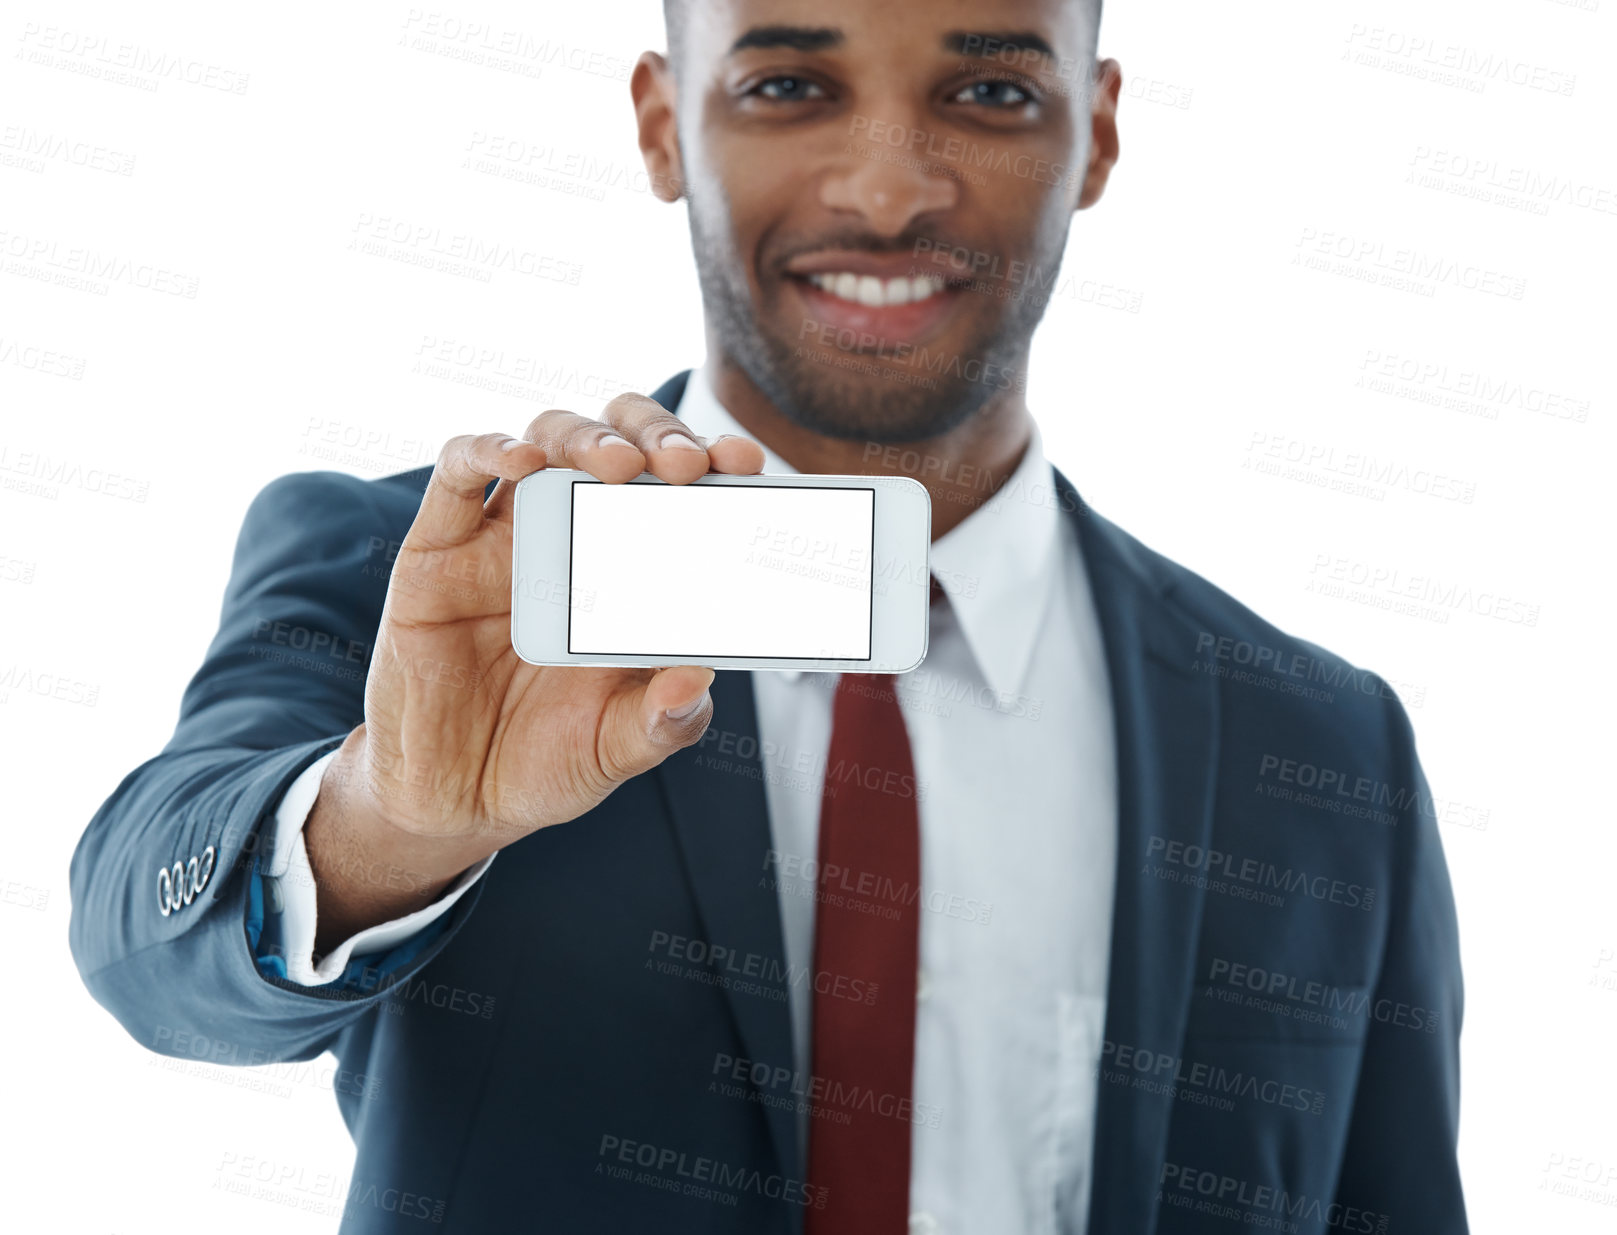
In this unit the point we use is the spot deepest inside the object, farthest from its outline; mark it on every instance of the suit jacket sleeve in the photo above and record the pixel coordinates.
(282, 683)
(1400, 1170)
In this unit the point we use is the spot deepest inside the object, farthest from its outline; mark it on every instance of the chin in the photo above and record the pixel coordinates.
(855, 398)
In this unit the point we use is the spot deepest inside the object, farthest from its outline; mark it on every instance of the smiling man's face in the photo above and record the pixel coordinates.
(880, 194)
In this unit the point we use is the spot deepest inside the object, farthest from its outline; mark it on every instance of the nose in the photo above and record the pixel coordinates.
(889, 187)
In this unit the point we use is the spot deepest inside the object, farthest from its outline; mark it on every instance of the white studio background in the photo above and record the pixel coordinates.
(1224, 350)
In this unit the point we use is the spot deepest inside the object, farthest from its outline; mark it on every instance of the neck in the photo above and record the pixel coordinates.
(961, 469)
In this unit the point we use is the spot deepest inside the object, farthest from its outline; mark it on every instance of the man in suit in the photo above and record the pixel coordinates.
(633, 950)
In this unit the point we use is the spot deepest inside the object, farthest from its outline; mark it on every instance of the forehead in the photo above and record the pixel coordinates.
(718, 30)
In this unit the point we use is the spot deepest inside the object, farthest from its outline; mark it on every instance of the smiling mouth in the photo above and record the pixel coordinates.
(881, 309)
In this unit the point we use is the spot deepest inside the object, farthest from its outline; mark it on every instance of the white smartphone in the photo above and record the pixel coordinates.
(733, 572)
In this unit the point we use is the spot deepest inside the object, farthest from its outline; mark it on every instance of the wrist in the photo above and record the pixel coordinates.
(367, 868)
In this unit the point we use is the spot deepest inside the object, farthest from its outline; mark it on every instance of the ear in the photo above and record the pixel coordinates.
(1103, 142)
(652, 88)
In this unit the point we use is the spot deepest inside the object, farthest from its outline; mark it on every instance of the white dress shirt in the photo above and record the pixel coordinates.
(1010, 722)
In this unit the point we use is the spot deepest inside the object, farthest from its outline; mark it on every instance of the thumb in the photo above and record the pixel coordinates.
(645, 725)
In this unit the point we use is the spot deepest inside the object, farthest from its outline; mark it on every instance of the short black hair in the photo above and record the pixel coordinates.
(674, 21)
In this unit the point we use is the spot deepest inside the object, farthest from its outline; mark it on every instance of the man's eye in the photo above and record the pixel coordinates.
(787, 89)
(1000, 94)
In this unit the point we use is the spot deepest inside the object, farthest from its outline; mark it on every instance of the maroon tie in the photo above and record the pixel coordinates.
(866, 962)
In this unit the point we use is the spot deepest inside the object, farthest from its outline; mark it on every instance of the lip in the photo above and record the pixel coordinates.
(882, 265)
(912, 322)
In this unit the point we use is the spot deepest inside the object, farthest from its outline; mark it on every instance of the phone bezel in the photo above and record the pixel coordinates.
(901, 564)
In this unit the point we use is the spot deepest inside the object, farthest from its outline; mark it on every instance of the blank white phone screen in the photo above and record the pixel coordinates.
(694, 571)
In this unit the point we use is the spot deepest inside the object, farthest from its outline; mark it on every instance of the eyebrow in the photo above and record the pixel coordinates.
(992, 42)
(797, 38)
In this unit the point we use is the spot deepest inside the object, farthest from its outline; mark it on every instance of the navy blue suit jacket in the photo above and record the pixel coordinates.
(1297, 1059)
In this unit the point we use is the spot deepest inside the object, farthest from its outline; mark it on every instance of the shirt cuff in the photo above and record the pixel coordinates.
(291, 890)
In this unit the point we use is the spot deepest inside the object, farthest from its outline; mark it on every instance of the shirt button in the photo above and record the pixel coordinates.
(923, 988)
(923, 1224)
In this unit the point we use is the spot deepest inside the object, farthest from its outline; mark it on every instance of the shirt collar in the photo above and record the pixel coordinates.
(996, 565)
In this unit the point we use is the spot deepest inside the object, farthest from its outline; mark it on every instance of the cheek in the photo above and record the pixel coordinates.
(1045, 222)
(766, 200)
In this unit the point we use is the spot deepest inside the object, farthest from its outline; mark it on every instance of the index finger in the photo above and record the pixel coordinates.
(451, 511)
(649, 425)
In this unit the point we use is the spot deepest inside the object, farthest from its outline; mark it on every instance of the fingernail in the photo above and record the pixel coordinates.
(676, 441)
(612, 439)
(512, 443)
(689, 709)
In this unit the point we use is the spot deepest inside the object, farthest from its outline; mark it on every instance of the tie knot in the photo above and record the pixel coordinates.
(939, 596)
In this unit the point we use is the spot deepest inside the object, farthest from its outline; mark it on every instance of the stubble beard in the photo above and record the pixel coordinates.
(924, 395)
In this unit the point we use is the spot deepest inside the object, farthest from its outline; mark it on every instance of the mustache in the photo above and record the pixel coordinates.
(913, 243)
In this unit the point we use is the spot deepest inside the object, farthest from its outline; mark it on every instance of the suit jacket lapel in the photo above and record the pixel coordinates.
(1166, 717)
(721, 818)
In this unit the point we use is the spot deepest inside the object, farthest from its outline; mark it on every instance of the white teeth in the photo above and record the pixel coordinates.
(877, 293)
(922, 286)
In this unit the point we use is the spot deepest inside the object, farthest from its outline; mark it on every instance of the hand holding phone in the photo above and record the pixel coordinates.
(465, 746)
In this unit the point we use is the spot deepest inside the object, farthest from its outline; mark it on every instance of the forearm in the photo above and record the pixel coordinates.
(366, 869)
